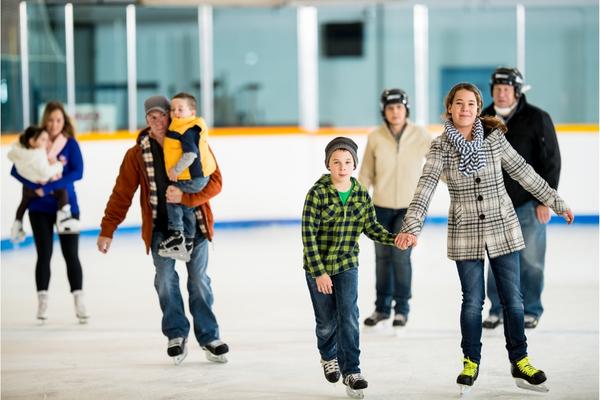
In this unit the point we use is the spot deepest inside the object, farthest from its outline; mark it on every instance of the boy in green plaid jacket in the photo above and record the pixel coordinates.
(336, 211)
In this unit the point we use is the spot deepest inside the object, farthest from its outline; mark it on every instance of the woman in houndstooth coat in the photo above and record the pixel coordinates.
(471, 154)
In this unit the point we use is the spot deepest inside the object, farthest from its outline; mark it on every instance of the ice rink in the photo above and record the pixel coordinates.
(265, 315)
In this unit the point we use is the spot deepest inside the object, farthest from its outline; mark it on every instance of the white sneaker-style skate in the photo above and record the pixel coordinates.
(355, 383)
(42, 312)
(17, 234)
(177, 349)
(215, 351)
(65, 223)
(80, 312)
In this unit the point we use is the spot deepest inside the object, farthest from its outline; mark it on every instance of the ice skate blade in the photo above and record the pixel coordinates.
(523, 384)
(354, 394)
(82, 320)
(178, 359)
(221, 359)
(42, 321)
(465, 390)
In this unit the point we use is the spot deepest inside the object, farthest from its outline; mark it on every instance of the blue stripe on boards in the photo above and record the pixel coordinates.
(5, 244)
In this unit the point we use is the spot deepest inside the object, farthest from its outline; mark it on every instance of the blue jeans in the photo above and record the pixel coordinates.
(532, 260)
(393, 270)
(336, 316)
(166, 281)
(506, 272)
(182, 218)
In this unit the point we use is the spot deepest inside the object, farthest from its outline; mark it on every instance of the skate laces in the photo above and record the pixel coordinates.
(352, 378)
(330, 366)
(526, 368)
(470, 367)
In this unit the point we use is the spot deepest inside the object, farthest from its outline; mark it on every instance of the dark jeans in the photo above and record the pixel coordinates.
(42, 225)
(183, 218)
(336, 316)
(61, 196)
(532, 260)
(506, 273)
(393, 269)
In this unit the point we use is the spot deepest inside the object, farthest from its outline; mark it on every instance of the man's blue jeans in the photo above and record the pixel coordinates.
(336, 316)
(166, 281)
(506, 272)
(393, 269)
(183, 218)
(532, 260)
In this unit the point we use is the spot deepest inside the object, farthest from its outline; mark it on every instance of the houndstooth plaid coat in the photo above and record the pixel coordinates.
(481, 214)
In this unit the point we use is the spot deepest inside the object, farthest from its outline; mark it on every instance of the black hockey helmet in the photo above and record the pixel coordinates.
(390, 96)
(507, 76)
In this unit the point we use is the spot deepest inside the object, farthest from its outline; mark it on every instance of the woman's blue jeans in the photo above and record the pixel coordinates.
(506, 273)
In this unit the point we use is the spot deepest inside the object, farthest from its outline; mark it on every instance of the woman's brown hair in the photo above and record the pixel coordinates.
(487, 121)
(52, 106)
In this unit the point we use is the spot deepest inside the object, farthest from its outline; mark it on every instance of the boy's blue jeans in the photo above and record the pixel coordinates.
(532, 260)
(506, 272)
(393, 269)
(336, 316)
(166, 281)
(182, 218)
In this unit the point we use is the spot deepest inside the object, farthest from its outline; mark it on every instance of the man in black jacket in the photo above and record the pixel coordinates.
(531, 133)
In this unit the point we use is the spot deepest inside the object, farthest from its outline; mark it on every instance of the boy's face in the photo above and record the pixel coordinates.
(341, 165)
(180, 108)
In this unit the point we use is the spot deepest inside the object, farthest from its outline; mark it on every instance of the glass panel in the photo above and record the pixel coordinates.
(47, 62)
(255, 66)
(167, 54)
(100, 67)
(562, 62)
(467, 44)
(10, 82)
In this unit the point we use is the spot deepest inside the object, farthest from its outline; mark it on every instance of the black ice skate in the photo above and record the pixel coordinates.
(174, 247)
(215, 351)
(177, 349)
(399, 320)
(375, 318)
(355, 383)
(527, 376)
(331, 370)
(468, 376)
(492, 321)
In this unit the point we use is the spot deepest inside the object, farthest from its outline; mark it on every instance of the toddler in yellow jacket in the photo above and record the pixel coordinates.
(189, 163)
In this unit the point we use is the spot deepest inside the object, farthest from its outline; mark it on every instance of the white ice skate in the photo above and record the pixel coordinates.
(177, 349)
(80, 312)
(215, 351)
(42, 313)
(355, 384)
(17, 234)
(65, 223)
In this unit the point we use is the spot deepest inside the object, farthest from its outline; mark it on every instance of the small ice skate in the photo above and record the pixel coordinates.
(177, 349)
(42, 312)
(468, 376)
(65, 222)
(174, 247)
(17, 234)
(528, 377)
(215, 351)
(355, 383)
(80, 312)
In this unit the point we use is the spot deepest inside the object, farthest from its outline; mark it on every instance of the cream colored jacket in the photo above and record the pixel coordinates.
(393, 169)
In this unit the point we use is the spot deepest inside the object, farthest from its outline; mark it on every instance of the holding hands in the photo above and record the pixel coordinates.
(405, 240)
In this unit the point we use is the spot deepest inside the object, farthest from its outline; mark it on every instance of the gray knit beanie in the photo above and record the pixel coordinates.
(341, 143)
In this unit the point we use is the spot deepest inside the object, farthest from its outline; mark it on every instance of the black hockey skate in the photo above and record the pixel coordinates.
(177, 349)
(215, 351)
(174, 247)
(468, 376)
(492, 321)
(331, 369)
(375, 318)
(355, 383)
(527, 376)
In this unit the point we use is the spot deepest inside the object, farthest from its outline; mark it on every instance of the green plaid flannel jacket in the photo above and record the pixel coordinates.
(330, 230)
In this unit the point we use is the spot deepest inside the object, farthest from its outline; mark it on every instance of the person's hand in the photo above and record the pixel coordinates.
(63, 160)
(405, 240)
(324, 284)
(172, 175)
(39, 192)
(103, 244)
(174, 194)
(542, 213)
(568, 216)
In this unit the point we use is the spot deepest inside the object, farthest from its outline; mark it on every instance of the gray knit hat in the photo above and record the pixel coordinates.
(157, 103)
(341, 143)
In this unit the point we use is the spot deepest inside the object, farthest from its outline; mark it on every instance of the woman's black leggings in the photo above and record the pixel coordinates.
(42, 225)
